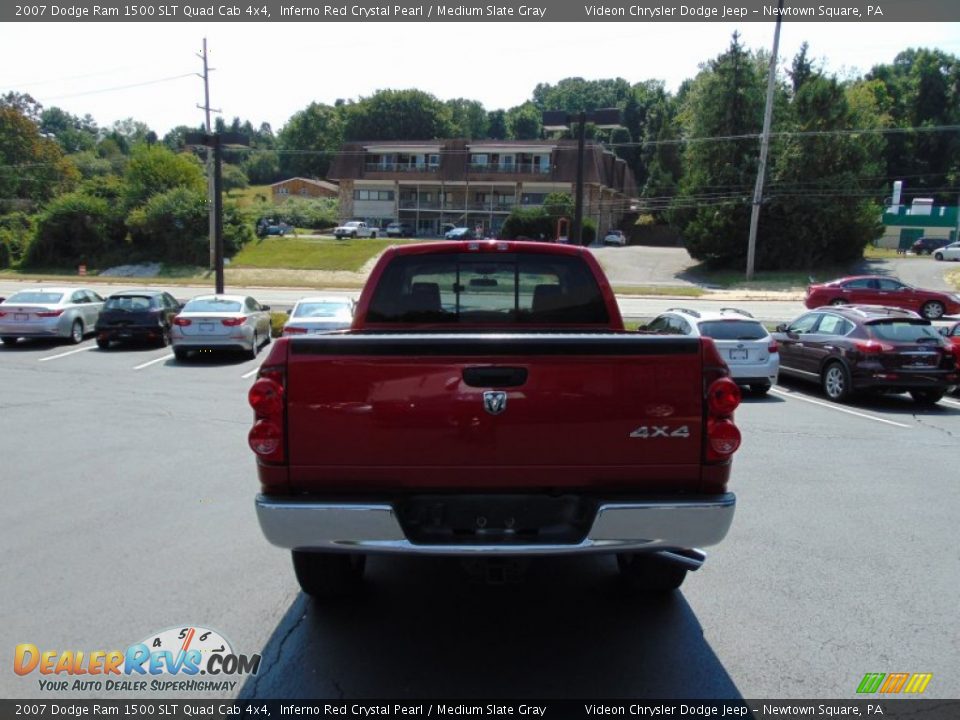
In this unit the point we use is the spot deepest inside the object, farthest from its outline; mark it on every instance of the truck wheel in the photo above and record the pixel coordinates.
(180, 354)
(648, 573)
(328, 576)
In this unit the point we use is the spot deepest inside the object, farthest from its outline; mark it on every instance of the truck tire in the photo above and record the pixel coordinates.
(373, 235)
(647, 573)
(328, 576)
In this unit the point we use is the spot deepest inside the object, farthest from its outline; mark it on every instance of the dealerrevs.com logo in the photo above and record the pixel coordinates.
(170, 660)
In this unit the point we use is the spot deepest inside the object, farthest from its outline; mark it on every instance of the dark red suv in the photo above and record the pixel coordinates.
(865, 347)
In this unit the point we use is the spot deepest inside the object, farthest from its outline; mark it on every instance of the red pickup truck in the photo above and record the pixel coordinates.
(488, 403)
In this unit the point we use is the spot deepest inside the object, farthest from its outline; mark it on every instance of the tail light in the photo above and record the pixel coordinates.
(722, 398)
(181, 321)
(773, 347)
(232, 322)
(294, 331)
(872, 347)
(2, 313)
(267, 436)
(50, 313)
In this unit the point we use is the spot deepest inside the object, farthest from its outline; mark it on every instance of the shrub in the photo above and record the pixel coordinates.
(75, 228)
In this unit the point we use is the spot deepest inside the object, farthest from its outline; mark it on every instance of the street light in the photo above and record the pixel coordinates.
(217, 141)
(560, 120)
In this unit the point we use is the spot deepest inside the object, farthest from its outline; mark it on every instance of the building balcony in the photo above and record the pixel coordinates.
(511, 169)
(399, 168)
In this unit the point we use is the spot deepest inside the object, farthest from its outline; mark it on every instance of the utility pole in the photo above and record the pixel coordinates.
(764, 147)
(211, 198)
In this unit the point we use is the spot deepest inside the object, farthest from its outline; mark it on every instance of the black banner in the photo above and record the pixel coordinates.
(554, 709)
(639, 11)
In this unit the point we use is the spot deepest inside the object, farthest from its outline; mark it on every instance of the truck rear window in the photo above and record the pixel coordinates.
(508, 288)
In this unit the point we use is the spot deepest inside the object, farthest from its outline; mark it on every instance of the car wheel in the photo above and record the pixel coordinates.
(835, 381)
(328, 576)
(9, 340)
(180, 354)
(103, 343)
(760, 389)
(164, 336)
(838, 301)
(938, 256)
(76, 332)
(255, 348)
(645, 572)
(932, 310)
(927, 397)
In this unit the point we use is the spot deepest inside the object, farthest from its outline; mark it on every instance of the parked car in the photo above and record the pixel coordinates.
(615, 237)
(948, 252)
(319, 314)
(269, 226)
(49, 312)
(459, 233)
(848, 349)
(137, 315)
(355, 229)
(398, 229)
(952, 334)
(208, 322)
(878, 290)
(926, 245)
(744, 343)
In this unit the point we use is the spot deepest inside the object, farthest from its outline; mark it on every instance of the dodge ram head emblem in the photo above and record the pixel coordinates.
(494, 401)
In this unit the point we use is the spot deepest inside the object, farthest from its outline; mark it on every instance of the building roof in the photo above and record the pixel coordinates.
(332, 187)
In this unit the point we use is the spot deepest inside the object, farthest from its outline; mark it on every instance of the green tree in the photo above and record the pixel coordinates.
(398, 115)
(155, 169)
(32, 168)
(173, 226)
(524, 122)
(233, 178)
(724, 103)
(468, 118)
(575, 94)
(497, 125)
(75, 228)
(262, 167)
(73, 134)
(307, 143)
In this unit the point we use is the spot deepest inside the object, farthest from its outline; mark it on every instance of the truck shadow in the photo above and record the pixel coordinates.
(423, 629)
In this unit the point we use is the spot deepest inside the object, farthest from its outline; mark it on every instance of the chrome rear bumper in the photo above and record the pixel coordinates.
(372, 527)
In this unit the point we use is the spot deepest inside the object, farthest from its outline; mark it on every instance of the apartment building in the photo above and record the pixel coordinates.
(474, 183)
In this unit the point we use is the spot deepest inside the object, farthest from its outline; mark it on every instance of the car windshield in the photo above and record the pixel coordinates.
(322, 309)
(733, 330)
(906, 331)
(212, 305)
(128, 302)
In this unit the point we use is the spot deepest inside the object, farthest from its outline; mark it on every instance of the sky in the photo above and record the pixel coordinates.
(267, 72)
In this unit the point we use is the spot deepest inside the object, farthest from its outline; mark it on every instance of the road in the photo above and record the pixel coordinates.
(128, 509)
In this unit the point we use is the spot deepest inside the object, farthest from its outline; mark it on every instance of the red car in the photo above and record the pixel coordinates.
(878, 290)
(952, 334)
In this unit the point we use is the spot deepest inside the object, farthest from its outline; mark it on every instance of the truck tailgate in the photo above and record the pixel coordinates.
(508, 411)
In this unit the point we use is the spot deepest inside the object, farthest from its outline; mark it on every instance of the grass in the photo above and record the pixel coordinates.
(767, 280)
(875, 253)
(953, 279)
(249, 196)
(665, 290)
(309, 253)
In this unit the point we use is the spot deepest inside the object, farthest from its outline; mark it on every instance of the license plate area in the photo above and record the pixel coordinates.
(207, 327)
(485, 519)
(738, 354)
(21, 317)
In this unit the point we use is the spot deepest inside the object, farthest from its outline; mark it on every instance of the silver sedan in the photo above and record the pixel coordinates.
(320, 314)
(49, 312)
(229, 322)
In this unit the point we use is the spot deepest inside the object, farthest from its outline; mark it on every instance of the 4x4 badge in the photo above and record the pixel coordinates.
(494, 401)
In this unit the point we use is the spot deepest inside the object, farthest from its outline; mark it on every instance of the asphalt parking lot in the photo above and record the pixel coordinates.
(129, 509)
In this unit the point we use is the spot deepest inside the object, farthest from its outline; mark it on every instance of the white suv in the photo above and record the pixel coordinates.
(744, 343)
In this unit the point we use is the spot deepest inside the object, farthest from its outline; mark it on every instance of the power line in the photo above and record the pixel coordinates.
(118, 87)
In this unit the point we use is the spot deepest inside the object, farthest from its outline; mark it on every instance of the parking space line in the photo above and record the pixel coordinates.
(830, 406)
(251, 373)
(951, 402)
(151, 362)
(69, 352)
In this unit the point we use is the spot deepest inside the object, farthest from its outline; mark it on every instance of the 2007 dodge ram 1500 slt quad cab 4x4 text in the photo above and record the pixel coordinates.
(488, 402)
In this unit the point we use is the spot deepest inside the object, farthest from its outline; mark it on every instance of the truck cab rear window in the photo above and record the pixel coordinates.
(508, 288)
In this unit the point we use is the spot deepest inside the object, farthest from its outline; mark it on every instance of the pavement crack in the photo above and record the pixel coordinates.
(254, 693)
(921, 420)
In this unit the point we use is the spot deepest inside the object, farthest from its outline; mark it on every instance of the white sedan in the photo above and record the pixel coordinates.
(319, 314)
(229, 322)
(948, 252)
(615, 237)
(49, 312)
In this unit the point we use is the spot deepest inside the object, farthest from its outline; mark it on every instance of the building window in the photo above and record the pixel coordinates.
(532, 198)
(373, 194)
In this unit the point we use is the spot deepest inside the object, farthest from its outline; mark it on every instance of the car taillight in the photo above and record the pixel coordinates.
(294, 331)
(2, 313)
(723, 439)
(872, 347)
(50, 313)
(772, 347)
(232, 322)
(266, 437)
(181, 321)
(723, 397)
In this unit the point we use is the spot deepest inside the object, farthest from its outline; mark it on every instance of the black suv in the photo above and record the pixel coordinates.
(867, 347)
(926, 245)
